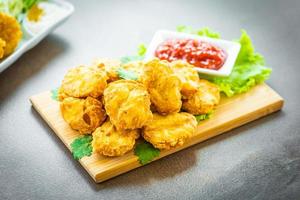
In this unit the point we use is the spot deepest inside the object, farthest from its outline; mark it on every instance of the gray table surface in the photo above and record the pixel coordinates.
(260, 160)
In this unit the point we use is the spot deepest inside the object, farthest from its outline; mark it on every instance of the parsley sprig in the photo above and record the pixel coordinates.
(146, 152)
(82, 147)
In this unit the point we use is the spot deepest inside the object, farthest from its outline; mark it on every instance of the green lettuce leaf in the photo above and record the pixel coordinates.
(248, 71)
(27, 4)
(142, 49)
(146, 152)
(203, 117)
(82, 147)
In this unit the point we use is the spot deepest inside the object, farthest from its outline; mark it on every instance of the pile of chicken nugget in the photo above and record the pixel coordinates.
(159, 105)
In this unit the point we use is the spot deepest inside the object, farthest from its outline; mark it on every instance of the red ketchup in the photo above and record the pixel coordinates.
(198, 53)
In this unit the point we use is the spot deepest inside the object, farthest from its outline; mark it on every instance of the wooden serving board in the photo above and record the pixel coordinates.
(231, 113)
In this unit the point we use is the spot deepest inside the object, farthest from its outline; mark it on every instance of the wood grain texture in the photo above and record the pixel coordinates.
(231, 113)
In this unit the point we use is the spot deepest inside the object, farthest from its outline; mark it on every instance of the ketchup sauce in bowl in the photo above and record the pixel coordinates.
(208, 55)
(198, 53)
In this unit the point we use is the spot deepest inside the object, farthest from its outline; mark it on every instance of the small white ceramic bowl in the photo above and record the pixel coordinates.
(231, 48)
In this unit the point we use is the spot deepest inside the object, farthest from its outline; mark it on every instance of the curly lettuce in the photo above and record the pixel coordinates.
(248, 71)
(17, 8)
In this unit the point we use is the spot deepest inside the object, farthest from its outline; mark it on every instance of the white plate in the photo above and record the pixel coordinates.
(231, 48)
(30, 39)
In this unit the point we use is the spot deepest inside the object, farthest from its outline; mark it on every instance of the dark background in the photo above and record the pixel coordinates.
(260, 160)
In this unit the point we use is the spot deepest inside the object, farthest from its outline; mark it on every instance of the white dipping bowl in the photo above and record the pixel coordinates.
(231, 48)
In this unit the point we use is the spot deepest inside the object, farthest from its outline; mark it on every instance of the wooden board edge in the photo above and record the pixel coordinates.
(134, 163)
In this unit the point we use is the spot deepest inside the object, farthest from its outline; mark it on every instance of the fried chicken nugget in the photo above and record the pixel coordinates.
(109, 141)
(165, 132)
(163, 86)
(10, 32)
(110, 66)
(83, 115)
(2, 47)
(127, 103)
(204, 100)
(83, 82)
(135, 66)
(188, 75)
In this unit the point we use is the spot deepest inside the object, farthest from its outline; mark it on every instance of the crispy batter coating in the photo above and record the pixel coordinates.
(204, 100)
(135, 66)
(188, 75)
(127, 103)
(163, 86)
(165, 132)
(10, 32)
(83, 82)
(84, 115)
(110, 66)
(109, 141)
(2, 47)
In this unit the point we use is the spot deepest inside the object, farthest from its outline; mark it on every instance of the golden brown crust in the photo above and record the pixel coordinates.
(188, 76)
(82, 82)
(10, 32)
(83, 115)
(110, 66)
(109, 141)
(2, 48)
(135, 66)
(165, 132)
(204, 100)
(127, 103)
(163, 86)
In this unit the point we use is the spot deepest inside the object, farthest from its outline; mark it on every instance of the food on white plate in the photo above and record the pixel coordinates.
(163, 86)
(10, 34)
(127, 103)
(82, 82)
(165, 132)
(83, 115)
(109, 141)
(2, 46)
(204, 101)
(35, 13)
(42, 15)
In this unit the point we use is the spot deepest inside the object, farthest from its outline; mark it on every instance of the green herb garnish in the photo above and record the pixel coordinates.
(146, 152)
(54, 94)
(202, 117)
(127, 59)
(82, 147)
(127, 74)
